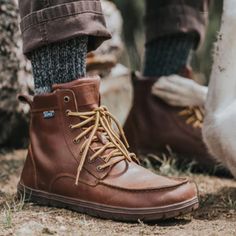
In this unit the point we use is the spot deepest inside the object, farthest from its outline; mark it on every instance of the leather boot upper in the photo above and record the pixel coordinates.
(152, 125)
(75, 151)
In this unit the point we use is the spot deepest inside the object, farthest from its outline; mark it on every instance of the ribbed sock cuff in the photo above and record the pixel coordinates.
(167, 55)
(60, 62)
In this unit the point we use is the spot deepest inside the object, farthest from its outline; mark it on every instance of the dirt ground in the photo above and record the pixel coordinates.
(216, 215)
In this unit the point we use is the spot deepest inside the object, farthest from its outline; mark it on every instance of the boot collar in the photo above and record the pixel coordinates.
(84, 91)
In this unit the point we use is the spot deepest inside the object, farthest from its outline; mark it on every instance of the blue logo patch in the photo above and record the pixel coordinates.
(48, 114)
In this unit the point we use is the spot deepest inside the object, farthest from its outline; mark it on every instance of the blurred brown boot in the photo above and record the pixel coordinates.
(77, 160)
(152, 125)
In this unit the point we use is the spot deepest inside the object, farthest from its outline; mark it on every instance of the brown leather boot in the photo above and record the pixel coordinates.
(152, 125)
(77, 160)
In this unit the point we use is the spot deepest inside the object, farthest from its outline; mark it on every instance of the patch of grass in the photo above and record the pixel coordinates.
(230, 202)
(225, 198)
(208, 200)
(7, 220)
(10, 207)
(171, 164)
(167, 164)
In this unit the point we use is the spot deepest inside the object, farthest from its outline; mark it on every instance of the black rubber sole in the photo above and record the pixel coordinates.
(105, 211)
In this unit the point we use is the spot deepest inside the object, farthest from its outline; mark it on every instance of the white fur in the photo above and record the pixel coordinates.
(219, 129)
(220, 122)
(179, 91)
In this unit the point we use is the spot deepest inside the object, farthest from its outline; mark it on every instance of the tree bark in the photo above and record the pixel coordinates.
(15, 78)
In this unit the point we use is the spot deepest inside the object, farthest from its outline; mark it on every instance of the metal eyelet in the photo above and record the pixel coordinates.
(66, 99)
(99, 168)
(75, 142)
(67, 112)
(70, 126)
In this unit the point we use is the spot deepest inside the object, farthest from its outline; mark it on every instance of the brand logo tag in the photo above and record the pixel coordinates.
(48, 114)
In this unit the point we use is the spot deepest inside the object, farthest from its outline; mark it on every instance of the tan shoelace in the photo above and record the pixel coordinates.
(99, 121)
(195, 116)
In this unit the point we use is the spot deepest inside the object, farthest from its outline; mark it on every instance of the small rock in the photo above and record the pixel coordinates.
(62, 228)
(30, 228)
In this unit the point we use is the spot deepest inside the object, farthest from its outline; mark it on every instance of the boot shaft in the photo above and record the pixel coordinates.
(52, 149)
(49, 111)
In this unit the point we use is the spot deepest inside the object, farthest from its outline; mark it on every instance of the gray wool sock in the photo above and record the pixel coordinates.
(60, 62)
(167, 55)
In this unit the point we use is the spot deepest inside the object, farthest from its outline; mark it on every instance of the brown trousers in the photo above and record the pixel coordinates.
(164, 17)
(47, 21)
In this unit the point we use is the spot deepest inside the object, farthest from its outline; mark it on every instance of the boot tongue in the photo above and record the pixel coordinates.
(87, 95)
(86, 91)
